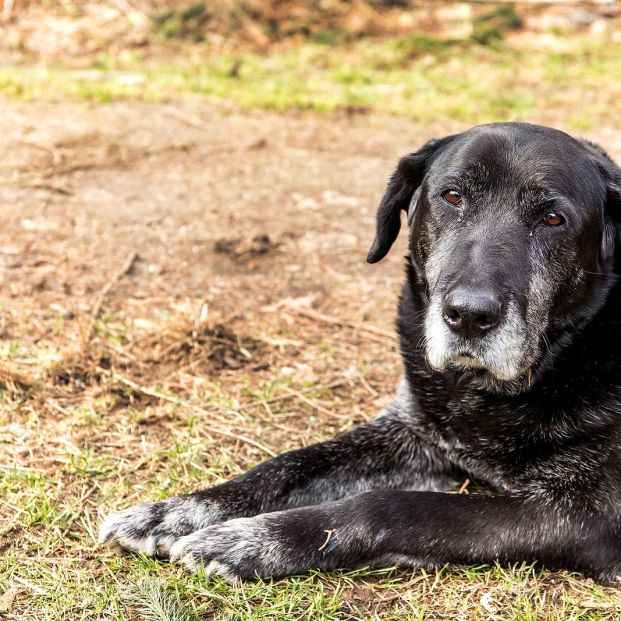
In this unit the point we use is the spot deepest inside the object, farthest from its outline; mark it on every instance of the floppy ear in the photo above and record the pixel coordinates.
(612, 233)
(612, 179)
(403, 183)
(611, 176)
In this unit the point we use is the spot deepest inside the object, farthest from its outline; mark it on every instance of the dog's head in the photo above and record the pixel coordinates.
(513, 229)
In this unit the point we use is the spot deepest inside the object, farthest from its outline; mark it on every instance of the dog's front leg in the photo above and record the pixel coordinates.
(380, 454)
(399, 527)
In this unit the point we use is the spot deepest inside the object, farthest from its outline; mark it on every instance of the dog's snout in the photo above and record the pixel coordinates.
(471, 313)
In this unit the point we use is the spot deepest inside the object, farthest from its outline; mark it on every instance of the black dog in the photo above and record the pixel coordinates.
(510, 331)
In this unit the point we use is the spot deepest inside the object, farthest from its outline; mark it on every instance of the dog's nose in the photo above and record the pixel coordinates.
(471, 313)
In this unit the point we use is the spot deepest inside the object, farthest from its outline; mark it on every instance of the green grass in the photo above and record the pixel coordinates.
(419, 76)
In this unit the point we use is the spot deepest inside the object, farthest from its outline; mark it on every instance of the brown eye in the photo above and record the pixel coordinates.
(553, 219)
(453, 197)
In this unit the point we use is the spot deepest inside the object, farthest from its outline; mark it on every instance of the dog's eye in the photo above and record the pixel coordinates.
(553, 219)
(452, 197)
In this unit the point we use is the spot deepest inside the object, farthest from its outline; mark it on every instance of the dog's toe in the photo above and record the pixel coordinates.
(195, 554)
(177, 550)
(240, 549)
(224, 571)
(159, 544)
(127, 529)
(152, 528)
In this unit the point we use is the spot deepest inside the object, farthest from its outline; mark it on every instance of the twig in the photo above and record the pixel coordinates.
(330, 532)
(187, 119)
(14, 378)
(363, 327)
(596, 605)
(89, 492)
(7, 10)
(316, 406)
(51, 188)
(291, 395)
(125, 269)
(217, 430)
(29, 585)
(197, 123)
(563, 3)
(464, 486)
(366, 384)
(56, 406)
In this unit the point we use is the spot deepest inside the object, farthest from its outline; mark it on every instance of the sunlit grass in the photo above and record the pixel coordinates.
(53, 569)
(420, 77)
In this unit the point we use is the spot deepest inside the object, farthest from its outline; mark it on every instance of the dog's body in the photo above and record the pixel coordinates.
(510, 332)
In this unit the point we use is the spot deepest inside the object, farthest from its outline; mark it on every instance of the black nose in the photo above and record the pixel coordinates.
(471, 312)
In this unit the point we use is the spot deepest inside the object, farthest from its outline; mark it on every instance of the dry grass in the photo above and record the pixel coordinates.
(148, 411)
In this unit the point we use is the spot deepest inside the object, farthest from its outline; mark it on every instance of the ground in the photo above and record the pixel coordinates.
(183, 294)
(238, 320)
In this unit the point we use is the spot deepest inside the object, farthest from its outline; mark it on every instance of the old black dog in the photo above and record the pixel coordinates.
(510, 333)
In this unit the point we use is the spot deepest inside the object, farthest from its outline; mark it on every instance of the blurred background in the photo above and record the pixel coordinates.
(187, 196)
(470, 61)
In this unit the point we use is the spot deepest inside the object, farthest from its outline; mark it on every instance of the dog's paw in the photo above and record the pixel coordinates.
(153, 527)
(240, 549)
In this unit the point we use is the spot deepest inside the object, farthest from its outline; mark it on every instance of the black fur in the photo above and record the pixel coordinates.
(532, 409)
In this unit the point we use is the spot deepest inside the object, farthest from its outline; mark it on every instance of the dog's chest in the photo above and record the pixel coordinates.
(493, 439)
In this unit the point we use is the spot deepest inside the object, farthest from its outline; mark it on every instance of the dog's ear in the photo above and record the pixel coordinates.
(401, 187)
(611, 235)
(610, 175)
(612, 180)
(612, 232)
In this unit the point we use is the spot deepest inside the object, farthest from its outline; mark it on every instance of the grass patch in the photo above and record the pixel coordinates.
(420, 76)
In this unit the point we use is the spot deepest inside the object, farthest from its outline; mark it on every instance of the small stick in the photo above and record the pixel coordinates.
(7, 9)
(10, 376)
(464, 486)
(197, 123)
(188, 119)
(84, 496)
(196, 408)
(316, 406)
(241, 408)
(125, 269)
(330, 532)
(291, 395)
(366, 384)
(363, 327)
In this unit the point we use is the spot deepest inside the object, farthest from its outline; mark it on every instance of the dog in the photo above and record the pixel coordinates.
(509, 325)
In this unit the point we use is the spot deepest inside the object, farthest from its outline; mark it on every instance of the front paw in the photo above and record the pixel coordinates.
(243, 548)
(153, 527)
(269, 545)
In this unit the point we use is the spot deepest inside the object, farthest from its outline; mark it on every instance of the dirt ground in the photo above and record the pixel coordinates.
(237, 210)
(85, 185)
(169, 267)
(245, 220)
